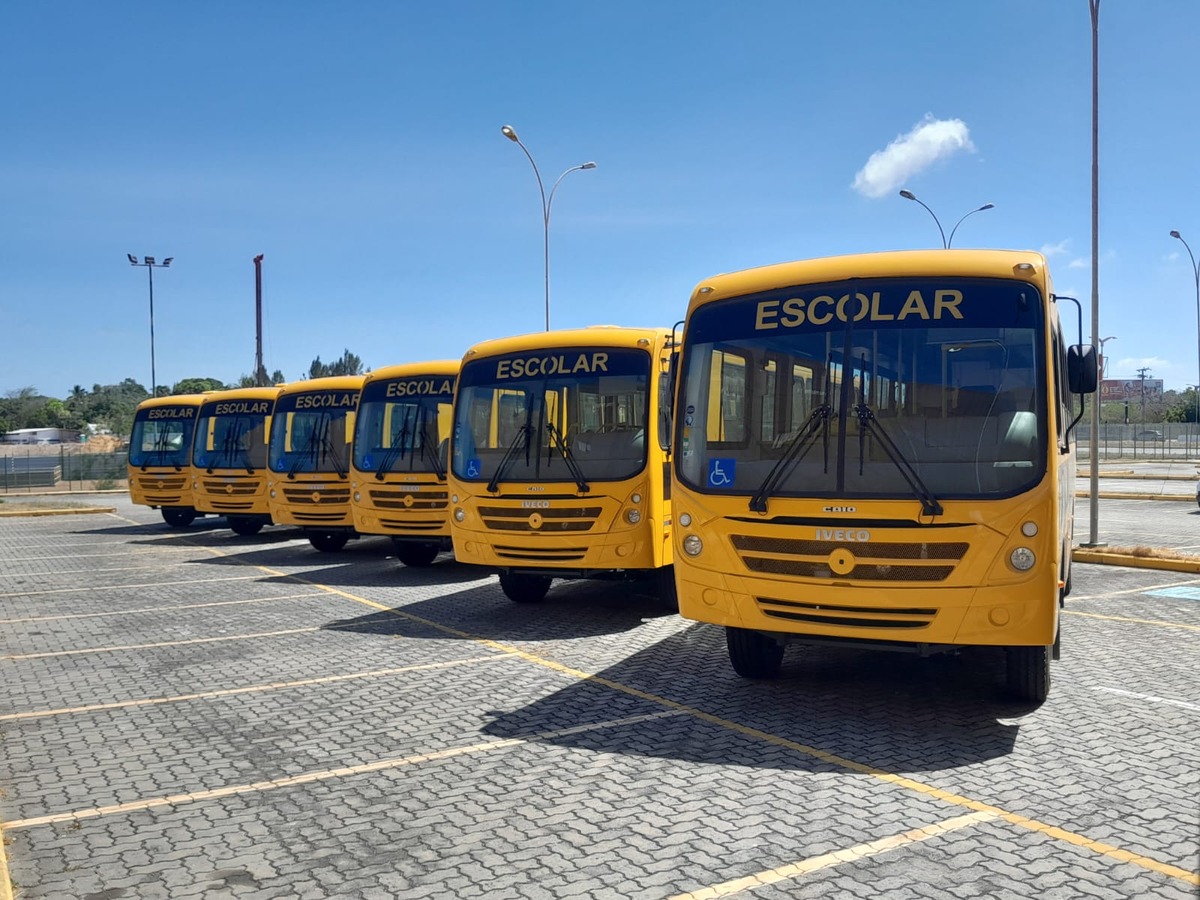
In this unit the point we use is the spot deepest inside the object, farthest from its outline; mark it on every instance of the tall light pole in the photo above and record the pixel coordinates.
(1196, 273)
(150, 265)
(1103, 358)
(1093, 452)
(947, 242)
(547, 202)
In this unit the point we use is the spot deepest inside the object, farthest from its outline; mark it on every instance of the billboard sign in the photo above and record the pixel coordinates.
(1131, 389)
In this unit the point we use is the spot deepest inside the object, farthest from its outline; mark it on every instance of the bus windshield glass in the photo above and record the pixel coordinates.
(232, 434)
(162, 436)
(404, 425)
(557, 414)
(927, 386)
(311, 432)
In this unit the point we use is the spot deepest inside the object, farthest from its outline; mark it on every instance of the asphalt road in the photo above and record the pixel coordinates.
(194, 714)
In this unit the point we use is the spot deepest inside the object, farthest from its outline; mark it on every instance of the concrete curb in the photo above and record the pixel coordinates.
(81, 511)
(1108, 496)
(1104, 558)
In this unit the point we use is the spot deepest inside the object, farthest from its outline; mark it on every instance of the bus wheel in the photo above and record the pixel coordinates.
(1028, 673)
(524, 588)
(664, 583)
(415, 554)
(752, 654)
(244, 527)
(178, 516)
(328, 541)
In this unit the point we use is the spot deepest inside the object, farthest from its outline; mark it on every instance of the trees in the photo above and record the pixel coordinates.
(197, 385)
(349, 364)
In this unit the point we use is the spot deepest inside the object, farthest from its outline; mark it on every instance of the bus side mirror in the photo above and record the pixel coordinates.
(666, 402)
(1081, 369)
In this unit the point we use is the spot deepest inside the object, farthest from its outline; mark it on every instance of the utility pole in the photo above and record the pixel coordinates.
(1142, 373)
(260, 373)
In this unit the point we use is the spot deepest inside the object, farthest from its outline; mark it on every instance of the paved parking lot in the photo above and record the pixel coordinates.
(194, 714)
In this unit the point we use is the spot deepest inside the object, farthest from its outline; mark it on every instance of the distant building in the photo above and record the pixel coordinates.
(40, 436)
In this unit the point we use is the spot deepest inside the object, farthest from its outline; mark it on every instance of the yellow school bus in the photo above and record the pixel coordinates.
(559, 459)
(398, 465)
(229, 457)
(160, 456)
(877, 449)
(308, 457)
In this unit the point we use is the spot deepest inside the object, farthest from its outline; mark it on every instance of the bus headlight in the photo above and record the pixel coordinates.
(357, 497)
(636, 498)
(460, 515)
(272, 493)
(633, 516)
(692, 545)
(685, 519)
(454, 498)
(1022, 559)
(1029, 529)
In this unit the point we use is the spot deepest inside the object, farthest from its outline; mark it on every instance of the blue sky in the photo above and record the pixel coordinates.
(358, 147)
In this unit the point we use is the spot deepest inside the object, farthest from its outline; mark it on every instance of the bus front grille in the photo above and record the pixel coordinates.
(329, 518)
(413, 524)
(845, 616)
(541, 554)
(918, 561)
(230, 488)
(556, 520)
(407, 498)
(174, 483)
(315, 497)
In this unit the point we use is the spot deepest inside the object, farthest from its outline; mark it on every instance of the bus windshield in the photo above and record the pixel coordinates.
(162, 436)
(931, 387)
(311, 432)
(232, 435)
(404, 426)
(557, 414)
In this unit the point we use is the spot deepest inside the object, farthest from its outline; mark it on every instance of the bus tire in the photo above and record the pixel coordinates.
(178, 516)
(524, 588)
(752, 654)
(1028, 673)
(244, 526)
(415, 554)
(328, 541)
(664, 582)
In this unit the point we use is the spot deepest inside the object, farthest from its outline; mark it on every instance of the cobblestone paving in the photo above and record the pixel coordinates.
(195, 714)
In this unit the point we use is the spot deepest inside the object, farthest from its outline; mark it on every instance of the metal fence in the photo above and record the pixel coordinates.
(65, 468)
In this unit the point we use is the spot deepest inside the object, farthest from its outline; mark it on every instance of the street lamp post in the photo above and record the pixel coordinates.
(547, 202)
(1196, 273)
(1103, 358)
(947, 242)
(1093, 450)
(150, 265)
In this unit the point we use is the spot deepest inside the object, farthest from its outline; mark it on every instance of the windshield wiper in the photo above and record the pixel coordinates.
(568, 457)
(396, 451)
(520, 441)
(233, 435)
(868, 422)
(329, 448)
(427, 448)
(796, 450)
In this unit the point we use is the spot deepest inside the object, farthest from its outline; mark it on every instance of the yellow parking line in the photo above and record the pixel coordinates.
(1159, 622)
(312, 777)
(928, 790)
(230, 692)
(208, 640)
(120, 587)
(828, 860)
(157, 609)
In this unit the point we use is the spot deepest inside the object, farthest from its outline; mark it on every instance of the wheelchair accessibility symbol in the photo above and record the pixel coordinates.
(473, 468)
(721, 472)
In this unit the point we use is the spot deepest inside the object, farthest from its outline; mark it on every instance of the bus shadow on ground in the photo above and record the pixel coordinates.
(892, 712)
(482, 612)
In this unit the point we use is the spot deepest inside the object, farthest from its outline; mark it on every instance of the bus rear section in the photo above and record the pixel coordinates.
(400, 455)
(229, 457)
(160, 456)
(877, 451)
(559, 459)
(308, 458)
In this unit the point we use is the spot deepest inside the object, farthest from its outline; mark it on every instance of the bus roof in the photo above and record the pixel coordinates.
(175, 400)
(593, 336)
(975, 263)
(416, 370)
(328, 383)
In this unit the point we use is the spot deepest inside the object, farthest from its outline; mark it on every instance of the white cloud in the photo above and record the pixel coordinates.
(930, 140)
(1058, 249)
(1172, 257)
(1082, 263)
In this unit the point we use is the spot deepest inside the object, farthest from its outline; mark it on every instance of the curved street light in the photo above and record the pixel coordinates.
(946, 242)
(547, 202)
(1196, 273)
(1103, 358)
